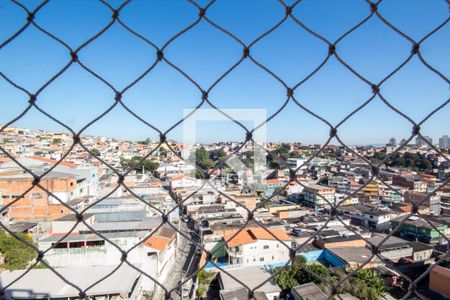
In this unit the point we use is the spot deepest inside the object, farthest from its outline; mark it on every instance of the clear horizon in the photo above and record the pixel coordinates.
(333, 142)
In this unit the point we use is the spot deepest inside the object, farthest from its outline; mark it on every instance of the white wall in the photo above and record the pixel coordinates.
(252, 253)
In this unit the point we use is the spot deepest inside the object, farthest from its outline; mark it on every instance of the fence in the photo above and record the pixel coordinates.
(375, 88)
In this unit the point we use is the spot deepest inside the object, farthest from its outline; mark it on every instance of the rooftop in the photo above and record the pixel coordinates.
(252, 277)
(44, 283)
(353, 254)
(21, 226)
(309, 291)
(250, 235)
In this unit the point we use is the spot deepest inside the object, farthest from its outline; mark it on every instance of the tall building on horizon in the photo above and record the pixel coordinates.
(444, 142)
(392, 142)
(422, 141)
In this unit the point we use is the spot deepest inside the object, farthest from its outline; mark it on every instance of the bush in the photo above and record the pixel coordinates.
(300, 272)
(204, 280)
(16, 254)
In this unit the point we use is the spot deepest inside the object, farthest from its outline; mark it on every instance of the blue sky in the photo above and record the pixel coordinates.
(205, 53)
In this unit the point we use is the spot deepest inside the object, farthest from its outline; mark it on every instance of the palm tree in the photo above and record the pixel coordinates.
(373, 280)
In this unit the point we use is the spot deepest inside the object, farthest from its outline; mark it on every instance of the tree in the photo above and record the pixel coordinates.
(56, 141)
(300, 272)
(95, 152)
(217, 155)
(295, 155)
(162, 152)
(202, 159)
(367, 284)
(145, 142)
(16, 254)
(414, 161)
(137, 164)
(323, 180)
(313, 272)
(204, 281)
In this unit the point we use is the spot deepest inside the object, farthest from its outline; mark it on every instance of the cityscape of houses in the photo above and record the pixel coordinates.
(150, 226)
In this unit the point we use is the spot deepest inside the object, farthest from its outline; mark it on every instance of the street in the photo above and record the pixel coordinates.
(186, 260)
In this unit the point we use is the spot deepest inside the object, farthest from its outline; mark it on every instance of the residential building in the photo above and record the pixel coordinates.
(412, 182)
(123, 283)
(369, 216)
(295, 163)
(36, 204)
(444, 142)
(440, 278)
(417, 229)
(422, 141)
(256, 247)
(340, 183)
(393, 248)
(433, 202)
(182, 181)
(392, 142)
(318, 197)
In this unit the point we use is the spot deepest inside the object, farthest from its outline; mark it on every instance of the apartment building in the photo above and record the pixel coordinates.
(440, 278)
(36, 204)
(256, 247)
(318, 197)
(340, 183)
(369, 193)
(369, 216)
(412, 182)
(417, 229)
(432, 202)
(179, 182)
(81, 248)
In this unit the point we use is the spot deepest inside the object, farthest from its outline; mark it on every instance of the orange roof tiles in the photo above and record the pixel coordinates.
(180, 177)
(406, 208)
(161, 239)
(4, 159)
(53, 161)
(157, 242)
(242, 238)
(272, 180)
(251, 235)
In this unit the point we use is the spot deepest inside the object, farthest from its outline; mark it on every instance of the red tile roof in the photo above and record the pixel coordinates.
(53, 161)
(251, 235)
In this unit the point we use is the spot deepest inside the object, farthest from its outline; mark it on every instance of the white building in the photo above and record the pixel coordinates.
(295, 163)
(257, 247)
(183, 182)
(154, 255)
(369, 217)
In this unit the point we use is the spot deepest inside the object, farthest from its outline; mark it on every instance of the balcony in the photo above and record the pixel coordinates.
(235, 251)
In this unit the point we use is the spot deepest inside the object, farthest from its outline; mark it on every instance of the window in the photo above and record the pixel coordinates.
(273, 257)
(266, 247)
(36, 196)
(261, 259)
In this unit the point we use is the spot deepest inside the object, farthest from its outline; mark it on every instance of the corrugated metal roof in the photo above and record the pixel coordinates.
(44, 283)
